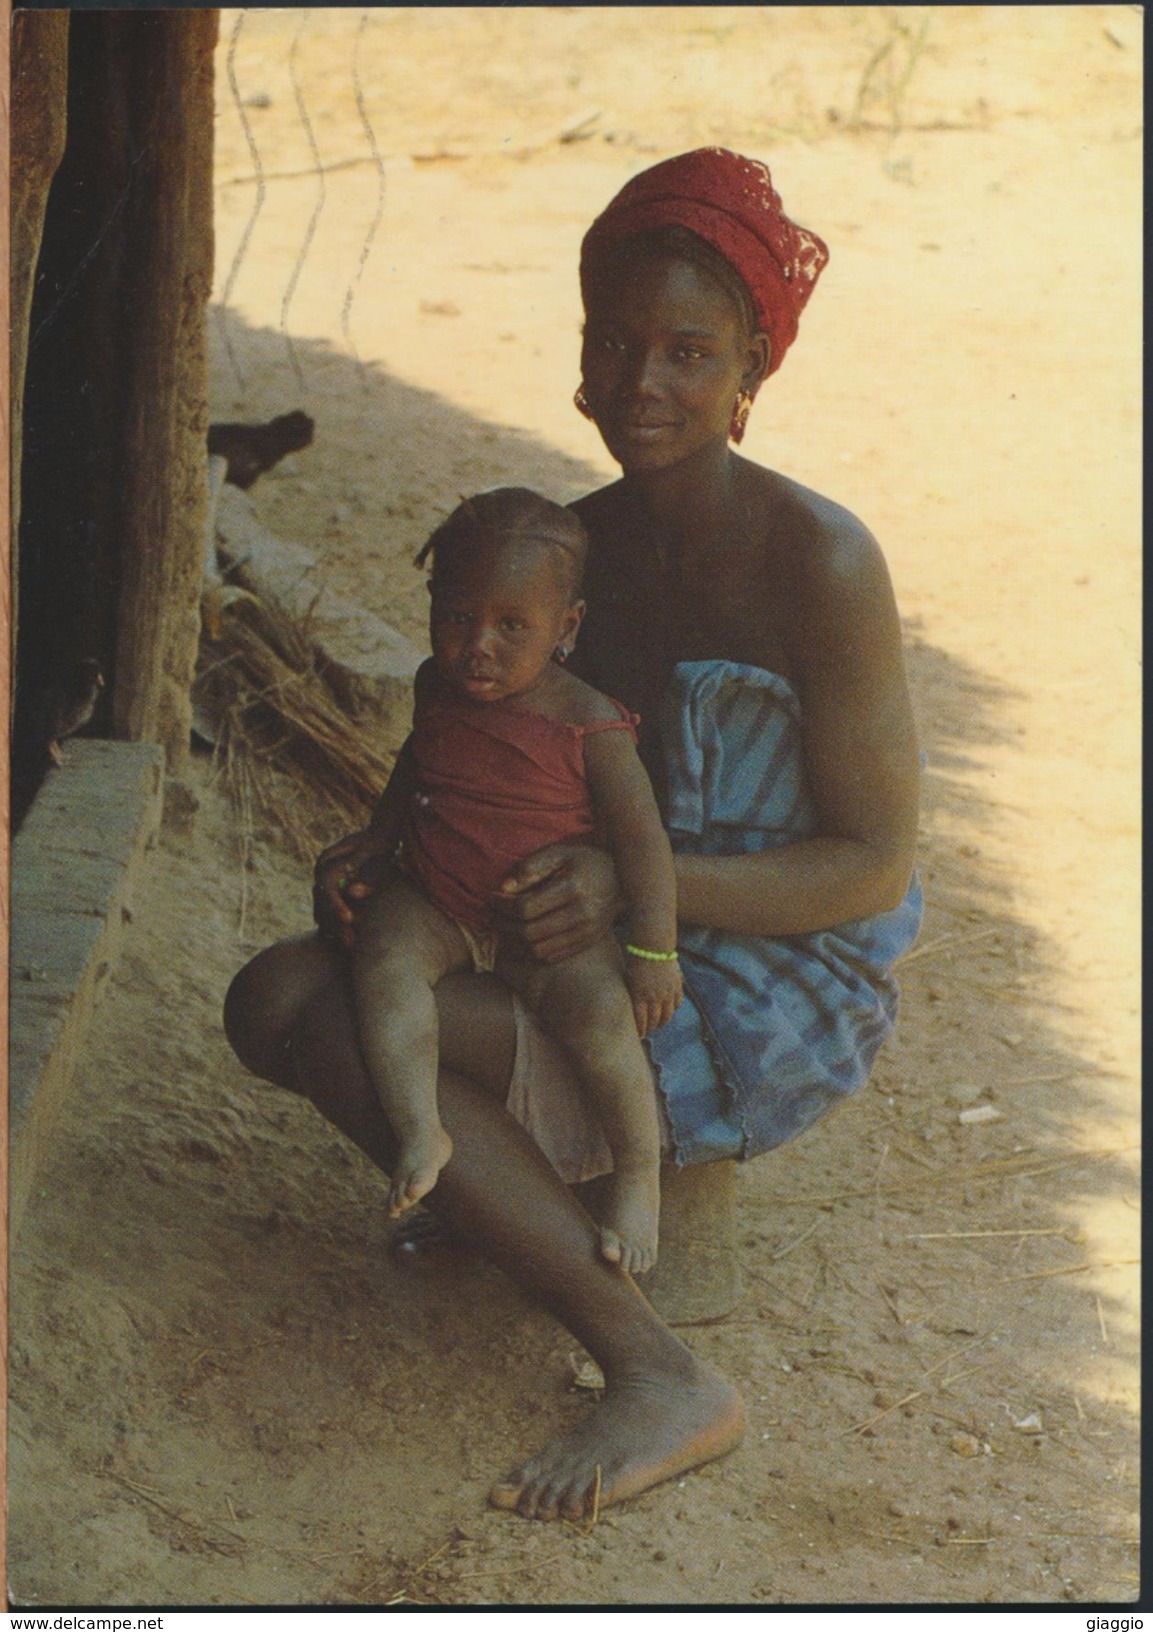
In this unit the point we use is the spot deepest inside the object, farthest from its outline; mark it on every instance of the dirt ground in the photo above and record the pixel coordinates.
(223, 1393)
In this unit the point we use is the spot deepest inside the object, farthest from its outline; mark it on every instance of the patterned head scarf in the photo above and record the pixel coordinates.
(731, 203)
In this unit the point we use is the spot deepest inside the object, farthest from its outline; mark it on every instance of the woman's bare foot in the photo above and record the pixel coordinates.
(647, 1429)
(417, 1168)
(631, 1210)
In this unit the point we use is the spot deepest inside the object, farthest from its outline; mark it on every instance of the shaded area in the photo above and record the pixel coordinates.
(224, 1296)
(112, 481)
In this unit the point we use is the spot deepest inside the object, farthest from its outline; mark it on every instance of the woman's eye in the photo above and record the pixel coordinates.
(688, 354)
(511, 626)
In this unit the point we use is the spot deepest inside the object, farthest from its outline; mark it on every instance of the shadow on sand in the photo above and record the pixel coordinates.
(919, 1279)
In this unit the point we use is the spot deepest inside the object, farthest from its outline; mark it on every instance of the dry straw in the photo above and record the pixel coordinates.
(287, 747)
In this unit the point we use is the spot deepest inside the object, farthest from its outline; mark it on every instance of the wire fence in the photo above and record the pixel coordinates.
(318, 110)
(291, 127)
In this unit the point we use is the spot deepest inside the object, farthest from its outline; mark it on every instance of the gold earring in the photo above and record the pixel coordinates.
(581, 402)
(740, 417)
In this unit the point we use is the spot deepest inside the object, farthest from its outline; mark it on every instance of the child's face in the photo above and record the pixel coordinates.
(498, 615)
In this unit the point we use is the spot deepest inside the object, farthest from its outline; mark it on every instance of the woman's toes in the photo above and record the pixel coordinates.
(549, 1507)
(577, 1506)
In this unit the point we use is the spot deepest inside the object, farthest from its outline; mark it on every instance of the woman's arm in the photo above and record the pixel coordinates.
(861, 763)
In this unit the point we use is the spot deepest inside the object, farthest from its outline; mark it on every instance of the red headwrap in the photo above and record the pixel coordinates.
(731, 203)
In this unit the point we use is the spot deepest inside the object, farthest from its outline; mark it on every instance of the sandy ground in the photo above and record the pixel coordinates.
(222, 1392)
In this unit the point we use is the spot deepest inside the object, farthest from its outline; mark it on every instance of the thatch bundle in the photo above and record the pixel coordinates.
(285, 743)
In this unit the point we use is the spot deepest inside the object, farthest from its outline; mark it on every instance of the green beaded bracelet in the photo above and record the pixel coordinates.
(653, 957)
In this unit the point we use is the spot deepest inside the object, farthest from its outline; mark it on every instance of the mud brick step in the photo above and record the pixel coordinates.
(76, 862)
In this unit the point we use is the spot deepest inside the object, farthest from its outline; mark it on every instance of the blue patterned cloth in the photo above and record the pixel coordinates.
(773, 1031)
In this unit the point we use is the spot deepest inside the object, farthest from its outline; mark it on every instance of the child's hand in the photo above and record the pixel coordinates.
(656, 988)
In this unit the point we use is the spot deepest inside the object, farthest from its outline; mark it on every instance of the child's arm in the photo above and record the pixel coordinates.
(623, 799)
(336, 877)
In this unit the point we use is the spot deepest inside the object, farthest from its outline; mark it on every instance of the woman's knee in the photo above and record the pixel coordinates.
(265, 1000)
(250, 1022)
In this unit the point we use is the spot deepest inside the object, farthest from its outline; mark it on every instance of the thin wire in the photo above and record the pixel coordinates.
(319, 206)
(258, 205)
(366, 247)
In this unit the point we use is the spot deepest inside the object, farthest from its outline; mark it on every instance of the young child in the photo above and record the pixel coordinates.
(510, 752)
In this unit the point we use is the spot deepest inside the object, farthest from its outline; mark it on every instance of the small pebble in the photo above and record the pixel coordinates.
(981, 1113)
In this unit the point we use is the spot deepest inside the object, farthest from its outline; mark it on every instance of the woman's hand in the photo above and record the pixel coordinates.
(560, 900)
(347, 875)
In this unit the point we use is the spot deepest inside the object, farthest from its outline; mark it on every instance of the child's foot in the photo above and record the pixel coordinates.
(417, 1168)
(629, 1226)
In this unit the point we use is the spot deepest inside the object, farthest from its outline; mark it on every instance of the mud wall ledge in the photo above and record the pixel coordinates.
(76, 864)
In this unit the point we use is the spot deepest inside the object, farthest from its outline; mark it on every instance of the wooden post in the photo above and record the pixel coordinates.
(36, 129)
(166, 59)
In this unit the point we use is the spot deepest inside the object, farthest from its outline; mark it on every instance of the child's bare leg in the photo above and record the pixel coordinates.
(584, 1005)
(404, 946)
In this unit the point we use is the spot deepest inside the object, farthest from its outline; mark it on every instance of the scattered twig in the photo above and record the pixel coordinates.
(959, 1376)
(1048, 1076)
(592, 1524)
(514, 1569)
(859, 1428)
(783, 1252)
(1072, 1269)
(940, 1365)
(891, 1305)
(902, 1541)
(759, 1275)
(1101, 1320)
(197, 1525)
(1009, 1167)
(979, 1235)
(949, 940)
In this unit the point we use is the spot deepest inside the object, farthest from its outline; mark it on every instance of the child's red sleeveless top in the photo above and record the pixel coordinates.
(495, 782)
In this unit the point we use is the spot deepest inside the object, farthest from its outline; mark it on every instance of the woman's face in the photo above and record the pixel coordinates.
(664, 356)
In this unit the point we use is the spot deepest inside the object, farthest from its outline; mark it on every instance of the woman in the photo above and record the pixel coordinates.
(752, 625)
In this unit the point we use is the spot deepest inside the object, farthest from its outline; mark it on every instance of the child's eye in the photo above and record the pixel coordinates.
(512, 626)
(689, 354)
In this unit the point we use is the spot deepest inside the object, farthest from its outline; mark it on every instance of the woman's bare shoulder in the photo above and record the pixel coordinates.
(822, 541)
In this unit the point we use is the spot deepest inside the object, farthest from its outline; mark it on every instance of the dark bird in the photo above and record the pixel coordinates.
(252, 449)
(65, 705)
(47, 713)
